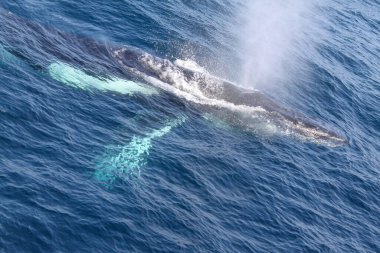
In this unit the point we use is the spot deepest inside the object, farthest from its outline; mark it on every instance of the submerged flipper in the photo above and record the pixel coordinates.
(77, 78)
(128, 159)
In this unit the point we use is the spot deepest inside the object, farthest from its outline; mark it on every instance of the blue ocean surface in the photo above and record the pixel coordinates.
(97, 158)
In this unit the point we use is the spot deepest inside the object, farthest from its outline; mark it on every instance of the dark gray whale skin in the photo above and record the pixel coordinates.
(105, 58)
(134, 58)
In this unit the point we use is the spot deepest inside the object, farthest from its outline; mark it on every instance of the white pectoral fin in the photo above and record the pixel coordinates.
(128, 159)
(77, 78)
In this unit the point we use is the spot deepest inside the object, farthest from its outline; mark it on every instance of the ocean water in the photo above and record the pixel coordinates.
(94, 159)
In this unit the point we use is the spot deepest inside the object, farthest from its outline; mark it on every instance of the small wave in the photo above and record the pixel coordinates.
(8, 58)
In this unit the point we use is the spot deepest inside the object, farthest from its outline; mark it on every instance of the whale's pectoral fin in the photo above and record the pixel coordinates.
(127, 160)
(77, 78)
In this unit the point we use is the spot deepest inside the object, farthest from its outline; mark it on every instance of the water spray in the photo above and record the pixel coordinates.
(269, 33)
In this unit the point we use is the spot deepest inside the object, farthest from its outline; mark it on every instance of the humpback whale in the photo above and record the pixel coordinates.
(239, 106)
(127, 70)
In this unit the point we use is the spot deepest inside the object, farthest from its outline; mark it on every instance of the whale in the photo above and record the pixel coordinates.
(110, 67)
(236, 105)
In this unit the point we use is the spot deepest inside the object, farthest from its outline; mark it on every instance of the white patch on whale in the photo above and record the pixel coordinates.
(179, 86)
(190, 65)
(77, 78)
